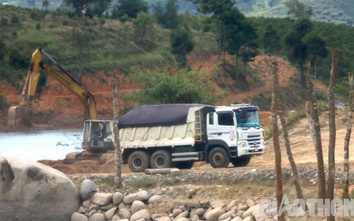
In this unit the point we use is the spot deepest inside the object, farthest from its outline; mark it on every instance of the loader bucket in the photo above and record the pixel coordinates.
(18, 116)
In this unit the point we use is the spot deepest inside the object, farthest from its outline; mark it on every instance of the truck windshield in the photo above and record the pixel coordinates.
(247, 118)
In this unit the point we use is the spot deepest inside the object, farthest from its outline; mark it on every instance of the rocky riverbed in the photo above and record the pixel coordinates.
(189, 195)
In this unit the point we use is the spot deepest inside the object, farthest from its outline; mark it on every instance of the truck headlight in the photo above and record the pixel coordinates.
(243, 144)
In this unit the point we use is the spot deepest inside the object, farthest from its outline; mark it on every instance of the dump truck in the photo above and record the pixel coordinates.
(177, 135)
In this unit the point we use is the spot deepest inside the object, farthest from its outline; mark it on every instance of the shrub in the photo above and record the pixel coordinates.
(14, 34)
(65, 22)
(4, 21)
(15, 19)
(3, 103)
(295, 116)
(51, 26)
(181, 87)
(2, 49)
(16, 59)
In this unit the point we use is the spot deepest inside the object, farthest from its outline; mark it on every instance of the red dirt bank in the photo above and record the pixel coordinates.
(59, 108)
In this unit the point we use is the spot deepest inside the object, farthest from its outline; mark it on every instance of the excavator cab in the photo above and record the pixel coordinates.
(97, 136)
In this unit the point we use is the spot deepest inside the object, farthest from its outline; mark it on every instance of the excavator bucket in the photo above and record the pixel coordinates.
(18, 116)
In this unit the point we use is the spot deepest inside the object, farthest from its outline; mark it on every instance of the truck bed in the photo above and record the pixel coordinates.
(163, 125)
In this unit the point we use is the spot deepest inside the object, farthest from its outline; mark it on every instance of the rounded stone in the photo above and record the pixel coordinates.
(87, 189)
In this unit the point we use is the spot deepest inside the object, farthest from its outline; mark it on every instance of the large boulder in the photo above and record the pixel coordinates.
(33, 191)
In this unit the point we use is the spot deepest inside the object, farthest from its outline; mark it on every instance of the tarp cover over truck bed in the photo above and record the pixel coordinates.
(159, 115)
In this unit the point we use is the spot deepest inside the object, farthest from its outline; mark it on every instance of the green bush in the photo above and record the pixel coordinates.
(14, 19)
(4, 21)
(180, 87)
(295, 116)
(16, 59)
(2, 49)
(65, 22)
(35, 14)
(51, 26)
(3, 103)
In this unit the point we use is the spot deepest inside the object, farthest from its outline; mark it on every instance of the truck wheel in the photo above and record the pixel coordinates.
(138, 161)
(241, 162)
(218, 158)
(184, 164)
(161, 159)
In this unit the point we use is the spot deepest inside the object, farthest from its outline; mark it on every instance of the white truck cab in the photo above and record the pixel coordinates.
(238, 125)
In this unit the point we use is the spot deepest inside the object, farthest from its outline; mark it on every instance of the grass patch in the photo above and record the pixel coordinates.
(105, 182)
(141, 183)
(295, 116)
(262, 101)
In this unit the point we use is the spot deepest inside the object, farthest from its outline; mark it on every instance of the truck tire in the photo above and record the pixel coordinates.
(184, 164)
(218, 158)
(241, 162)
(161, 159)
(138, 161)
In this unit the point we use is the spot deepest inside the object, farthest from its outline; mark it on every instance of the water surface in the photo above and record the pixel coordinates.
(41, 145)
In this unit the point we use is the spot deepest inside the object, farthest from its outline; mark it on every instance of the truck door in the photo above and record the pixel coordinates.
(221, 125)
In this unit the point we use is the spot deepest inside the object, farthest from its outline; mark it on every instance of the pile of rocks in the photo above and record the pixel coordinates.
(103, 206)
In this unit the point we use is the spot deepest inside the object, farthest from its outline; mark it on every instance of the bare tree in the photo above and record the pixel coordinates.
(290, 157)
(310, 120)
(205, 47)
(276, 145)
(117, 150)
(347, 136)
(316, 131)
(332, 131)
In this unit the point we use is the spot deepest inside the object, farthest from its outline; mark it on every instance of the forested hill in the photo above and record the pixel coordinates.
(337, 12)
(94, 44)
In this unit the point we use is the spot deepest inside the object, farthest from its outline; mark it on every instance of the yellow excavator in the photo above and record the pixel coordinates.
(20, 115)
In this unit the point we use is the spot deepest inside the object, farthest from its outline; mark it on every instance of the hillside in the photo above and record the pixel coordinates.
(336, 12)
(99, 55)
(58, 107)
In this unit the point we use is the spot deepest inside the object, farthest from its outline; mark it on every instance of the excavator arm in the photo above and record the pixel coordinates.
(18, 113)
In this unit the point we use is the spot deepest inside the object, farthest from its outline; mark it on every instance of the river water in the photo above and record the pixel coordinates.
(41, 145)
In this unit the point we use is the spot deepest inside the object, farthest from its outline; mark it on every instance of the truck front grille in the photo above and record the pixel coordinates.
(254, 143)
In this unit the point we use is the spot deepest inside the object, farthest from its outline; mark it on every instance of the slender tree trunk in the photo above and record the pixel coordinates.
(117, 150)
(315, 73)
(219, 38)
(290, 157)
(311, 124)
(245, 69)
(302, 75)
(313, 111)
(347, 136)
(332, 131)
(276, 145)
